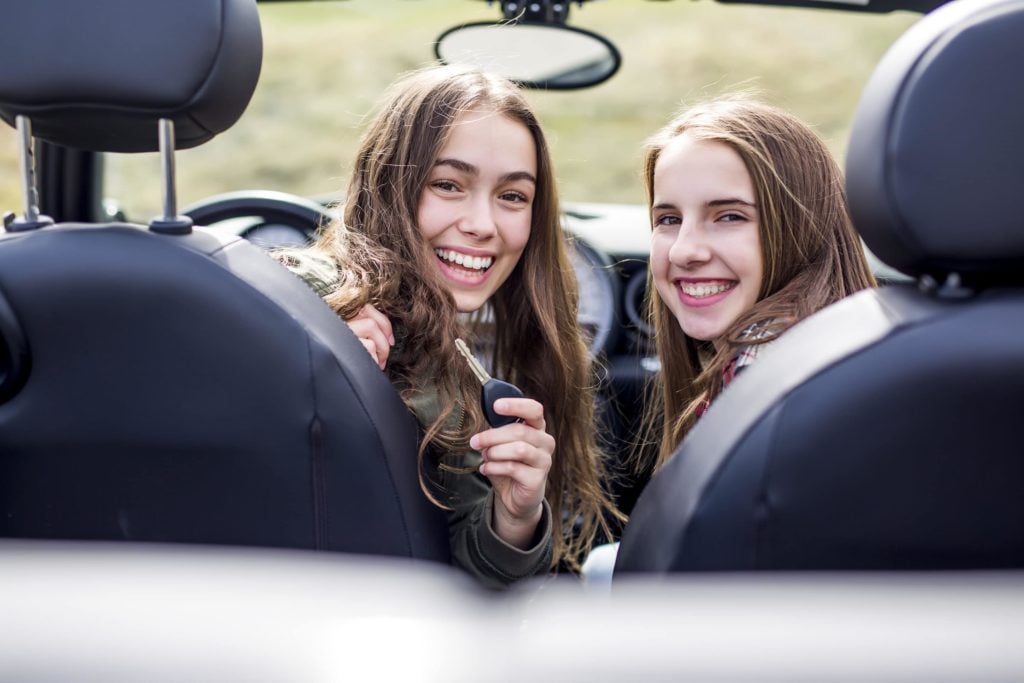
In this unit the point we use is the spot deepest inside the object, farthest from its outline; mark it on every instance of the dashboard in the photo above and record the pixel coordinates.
(610, 248)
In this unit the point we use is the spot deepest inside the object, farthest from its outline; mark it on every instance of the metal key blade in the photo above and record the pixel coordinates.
(474, 365)
(490, 389)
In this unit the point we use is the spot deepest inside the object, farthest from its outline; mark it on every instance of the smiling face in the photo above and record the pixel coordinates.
(706, 257)
(476, 208)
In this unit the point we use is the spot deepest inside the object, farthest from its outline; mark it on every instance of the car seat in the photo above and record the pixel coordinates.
(884, 432)
(162, 382)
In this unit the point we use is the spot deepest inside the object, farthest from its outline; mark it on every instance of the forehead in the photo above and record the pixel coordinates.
(702, 169)
(490, 140)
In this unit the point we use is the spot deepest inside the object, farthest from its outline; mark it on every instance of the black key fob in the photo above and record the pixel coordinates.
(491, 392)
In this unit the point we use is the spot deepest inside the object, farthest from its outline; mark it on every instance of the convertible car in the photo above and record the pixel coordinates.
(162, 381)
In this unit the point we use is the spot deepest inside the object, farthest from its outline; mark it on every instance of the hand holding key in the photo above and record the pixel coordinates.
(516, 453)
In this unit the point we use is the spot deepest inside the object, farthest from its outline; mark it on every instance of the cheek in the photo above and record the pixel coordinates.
(430, 216)
(659, 266)
(659, 258)
(755, 267)
(741, 252)
(518, 232)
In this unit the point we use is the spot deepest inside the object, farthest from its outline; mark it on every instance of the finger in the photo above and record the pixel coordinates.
(512, 433)
(372, 349)
(382, 321)
(527, 409)
(367, 329)
(518, 451)
(531, 480)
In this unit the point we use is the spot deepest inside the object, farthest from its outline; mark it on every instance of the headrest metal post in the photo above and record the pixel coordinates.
(28, 167)
(32, 218)
(170, 222)
(167, 161)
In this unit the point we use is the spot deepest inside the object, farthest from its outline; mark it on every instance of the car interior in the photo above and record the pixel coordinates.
(170, 383)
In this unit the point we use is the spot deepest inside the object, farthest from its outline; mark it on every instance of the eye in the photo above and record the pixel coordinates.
(732, 217)
(514, 196)
(666, 220)
(445, 185)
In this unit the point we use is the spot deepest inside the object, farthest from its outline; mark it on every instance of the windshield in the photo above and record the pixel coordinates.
(326, 64)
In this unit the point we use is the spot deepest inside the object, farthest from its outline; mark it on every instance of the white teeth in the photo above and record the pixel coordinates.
(464, 260)
(701, 291)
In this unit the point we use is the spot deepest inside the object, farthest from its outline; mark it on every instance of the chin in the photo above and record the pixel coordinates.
(468, 304)
(702, 332)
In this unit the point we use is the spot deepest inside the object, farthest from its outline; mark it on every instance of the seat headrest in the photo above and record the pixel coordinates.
(98, 75)
(935, 164)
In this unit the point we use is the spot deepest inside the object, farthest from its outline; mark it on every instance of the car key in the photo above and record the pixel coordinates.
(490, 389)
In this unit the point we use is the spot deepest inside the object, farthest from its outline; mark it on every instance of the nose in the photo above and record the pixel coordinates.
(479, 220)
(690, 247)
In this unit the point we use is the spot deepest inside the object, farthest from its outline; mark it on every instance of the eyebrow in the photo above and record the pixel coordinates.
(465, 167)
(731, 200)
(713, 203)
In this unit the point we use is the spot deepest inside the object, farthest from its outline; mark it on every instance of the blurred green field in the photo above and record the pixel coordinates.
(10, 188)
(326, 64)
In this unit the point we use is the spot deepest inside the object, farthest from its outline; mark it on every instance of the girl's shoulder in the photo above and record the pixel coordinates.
(315, 268)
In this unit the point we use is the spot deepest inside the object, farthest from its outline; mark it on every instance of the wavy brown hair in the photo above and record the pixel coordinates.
(811, 252)
(537, 343)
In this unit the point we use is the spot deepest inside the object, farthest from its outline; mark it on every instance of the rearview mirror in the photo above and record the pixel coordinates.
(535, 55)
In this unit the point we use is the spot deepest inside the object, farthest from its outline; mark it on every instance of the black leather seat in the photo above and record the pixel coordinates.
(885, 431)
(169, 384)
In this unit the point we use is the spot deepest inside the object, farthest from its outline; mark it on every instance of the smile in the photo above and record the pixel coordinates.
(701, 291)
(473, 264)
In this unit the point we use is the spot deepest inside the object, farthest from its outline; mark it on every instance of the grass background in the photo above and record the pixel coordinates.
(326, 63)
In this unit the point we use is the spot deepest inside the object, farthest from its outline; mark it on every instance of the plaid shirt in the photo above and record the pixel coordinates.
(747, 354)
(743, 358)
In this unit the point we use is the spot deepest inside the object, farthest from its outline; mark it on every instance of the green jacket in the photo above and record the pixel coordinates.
(475, 547)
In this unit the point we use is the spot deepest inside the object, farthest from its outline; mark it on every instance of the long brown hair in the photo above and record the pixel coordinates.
(811, 252)
(537, 343)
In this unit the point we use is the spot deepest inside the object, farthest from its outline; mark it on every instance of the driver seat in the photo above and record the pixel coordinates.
(162, 382)
(884, 432)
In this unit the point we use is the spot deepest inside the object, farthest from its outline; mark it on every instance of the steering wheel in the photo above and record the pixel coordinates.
(280, 219)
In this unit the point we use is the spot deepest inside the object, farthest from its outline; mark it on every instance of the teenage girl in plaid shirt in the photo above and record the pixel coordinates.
(750, 234)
